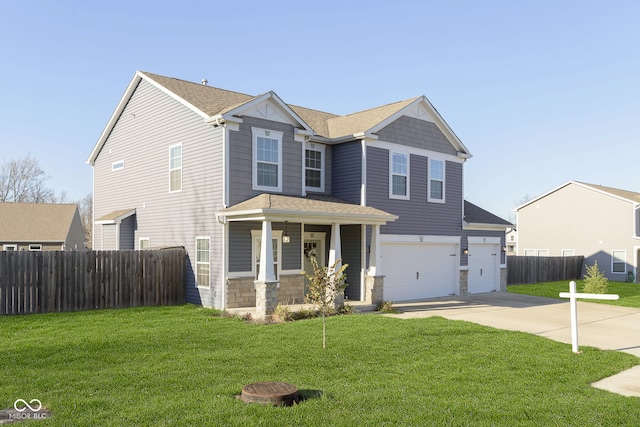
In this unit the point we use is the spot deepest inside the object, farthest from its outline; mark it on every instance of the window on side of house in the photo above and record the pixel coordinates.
(116, 166)
(314, 167)
(568, 252)
(10, 247)
(543, 252)
(267, 160)
(203, 263)
(35, 247)
(436, 181)
(399, 176)
(276, 239)
(529, 252)
(175, 168)
(618, 261)
(144, 243)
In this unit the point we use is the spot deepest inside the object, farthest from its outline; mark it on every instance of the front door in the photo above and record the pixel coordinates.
(313, 246)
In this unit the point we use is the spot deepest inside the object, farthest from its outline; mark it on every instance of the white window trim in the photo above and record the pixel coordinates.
(444, 180)
(143, 239)
(10, 247)
(314, 147)
(539, 251)
(568, 252)
(391, 174)
(529, 250)
(116, 166)
(208, 286)
(35, 247)
(275, 235)
(180, 168)
(258, 132)
(624, 261)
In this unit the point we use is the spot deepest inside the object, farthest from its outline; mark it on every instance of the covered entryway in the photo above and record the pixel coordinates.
(484, 264)
(420, 269)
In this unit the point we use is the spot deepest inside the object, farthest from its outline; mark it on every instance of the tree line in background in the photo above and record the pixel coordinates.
(24, 181)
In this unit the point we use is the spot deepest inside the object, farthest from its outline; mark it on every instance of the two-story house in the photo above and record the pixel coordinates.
(600, 223)
(252, 186)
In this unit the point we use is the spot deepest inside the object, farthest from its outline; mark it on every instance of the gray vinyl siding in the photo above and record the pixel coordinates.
(127, 233)
(241, 160)
(416, 133)
(351, 238)
(346, 171)
(416, 216)
(151, 123)
(241, 240)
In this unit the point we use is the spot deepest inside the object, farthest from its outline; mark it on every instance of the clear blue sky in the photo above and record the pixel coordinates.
(541, 92)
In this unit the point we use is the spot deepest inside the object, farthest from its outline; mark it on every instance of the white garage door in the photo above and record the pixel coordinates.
(419, 270)
(484, 268)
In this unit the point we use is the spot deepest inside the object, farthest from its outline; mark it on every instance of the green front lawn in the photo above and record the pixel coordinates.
(629, 292)
(183, 366)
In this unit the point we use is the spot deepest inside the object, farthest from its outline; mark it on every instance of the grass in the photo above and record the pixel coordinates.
(183, 366)
(629, 292)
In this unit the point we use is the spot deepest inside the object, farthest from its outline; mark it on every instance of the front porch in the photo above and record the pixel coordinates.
(272, 237)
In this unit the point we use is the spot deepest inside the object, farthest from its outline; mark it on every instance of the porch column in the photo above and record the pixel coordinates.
(374, 281)
(335, 255)
(266, 285)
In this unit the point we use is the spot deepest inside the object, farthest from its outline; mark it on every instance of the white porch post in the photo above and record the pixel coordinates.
(374, 280)
(375, 267)
(265, 271)
(335, 246)
(266, 285)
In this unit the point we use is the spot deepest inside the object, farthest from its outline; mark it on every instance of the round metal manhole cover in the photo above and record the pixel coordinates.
(270, 393)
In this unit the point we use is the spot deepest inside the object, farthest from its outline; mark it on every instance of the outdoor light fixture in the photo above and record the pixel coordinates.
(285, 235)
(465, 251)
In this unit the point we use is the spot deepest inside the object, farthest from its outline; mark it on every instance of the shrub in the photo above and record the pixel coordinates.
(594, 280)
(282, 313)
(385, 306)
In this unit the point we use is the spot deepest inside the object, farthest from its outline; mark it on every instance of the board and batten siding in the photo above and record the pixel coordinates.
(416, 216)
(241, 160)
(152, 122)
(346, 171)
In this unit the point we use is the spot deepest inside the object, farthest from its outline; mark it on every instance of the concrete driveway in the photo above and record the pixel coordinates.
(599, 325)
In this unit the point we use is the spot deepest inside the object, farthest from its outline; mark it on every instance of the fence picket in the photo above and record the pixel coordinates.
(53, 281)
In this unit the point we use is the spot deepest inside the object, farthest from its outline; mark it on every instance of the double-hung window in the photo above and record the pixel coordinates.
(399, 177)
(436, 181)
(314, 167)
(175, 168)
(203, 261)
(618, 261)
(267, 160)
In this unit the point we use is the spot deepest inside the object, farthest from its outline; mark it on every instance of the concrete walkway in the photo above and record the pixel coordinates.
(599, 325)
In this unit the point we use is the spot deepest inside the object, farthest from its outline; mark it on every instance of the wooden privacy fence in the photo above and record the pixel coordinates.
(537, 269)
(49, 281)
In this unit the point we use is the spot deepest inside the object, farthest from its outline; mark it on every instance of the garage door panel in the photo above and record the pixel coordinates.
(414, 271)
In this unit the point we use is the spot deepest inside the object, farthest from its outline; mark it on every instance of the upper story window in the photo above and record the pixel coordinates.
(314, 167)
(618, 261)
(175, 168)
(399, 176)
(436, 181)
(267, 160)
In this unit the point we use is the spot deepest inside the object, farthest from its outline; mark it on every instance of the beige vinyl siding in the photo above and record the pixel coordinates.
(151, 123)
(592, 223)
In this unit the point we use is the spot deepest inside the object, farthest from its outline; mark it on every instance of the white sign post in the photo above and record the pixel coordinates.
(573, 300)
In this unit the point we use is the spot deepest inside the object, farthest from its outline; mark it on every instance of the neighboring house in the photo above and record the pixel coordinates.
(40, 227)
(251, 186)
(512, 241)
(600, 223)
